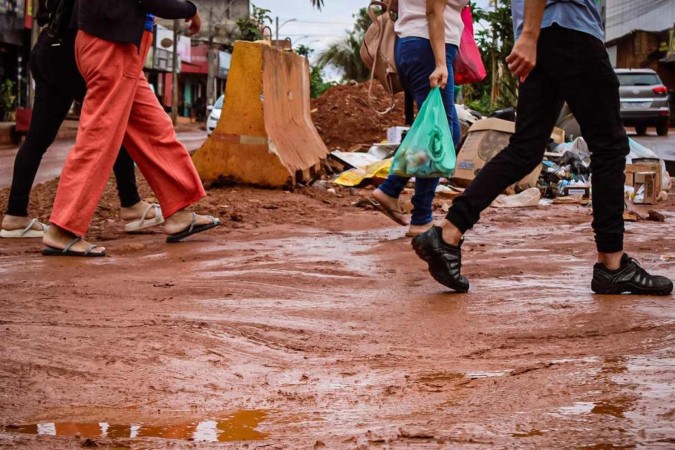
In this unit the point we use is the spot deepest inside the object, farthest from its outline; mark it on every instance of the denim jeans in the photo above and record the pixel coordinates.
(415, 62)
(574, 67)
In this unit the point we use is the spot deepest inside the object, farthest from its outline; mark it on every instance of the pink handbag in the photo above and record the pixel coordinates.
(469, 66)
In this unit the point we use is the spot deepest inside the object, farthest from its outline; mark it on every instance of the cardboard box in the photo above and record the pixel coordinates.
(584, 191)
(487, 138)
(645, 172)
(395, 134)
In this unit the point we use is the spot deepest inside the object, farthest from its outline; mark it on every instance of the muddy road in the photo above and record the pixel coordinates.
(307, 321)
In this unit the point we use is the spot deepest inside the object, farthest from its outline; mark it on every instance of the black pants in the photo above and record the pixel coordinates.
(57, 84)
(574, 67)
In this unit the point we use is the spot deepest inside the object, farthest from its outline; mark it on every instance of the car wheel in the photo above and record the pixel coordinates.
(641, 130)
(662, 128)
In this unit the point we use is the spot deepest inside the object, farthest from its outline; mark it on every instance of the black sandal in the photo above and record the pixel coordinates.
(192, 229)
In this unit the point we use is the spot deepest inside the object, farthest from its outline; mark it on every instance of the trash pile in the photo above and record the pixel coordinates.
(564, 177)
(566, 170)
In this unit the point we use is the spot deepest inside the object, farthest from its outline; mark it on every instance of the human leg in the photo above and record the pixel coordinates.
(165, 163)
(138, 213)
(111, 72)
(539, 104)
(592, 93)
(49, 111)
(125, 175)
(415, 62)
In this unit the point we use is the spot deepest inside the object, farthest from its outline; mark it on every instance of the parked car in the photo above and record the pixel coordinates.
(644, 100)
(214, 115)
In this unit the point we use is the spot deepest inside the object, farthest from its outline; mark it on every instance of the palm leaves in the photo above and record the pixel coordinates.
(317, 3)
(344, 54)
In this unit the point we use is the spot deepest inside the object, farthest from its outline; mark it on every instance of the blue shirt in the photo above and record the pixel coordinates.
(149, 22)
(579, 15)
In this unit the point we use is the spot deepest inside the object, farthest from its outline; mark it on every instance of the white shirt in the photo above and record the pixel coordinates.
(412, 20)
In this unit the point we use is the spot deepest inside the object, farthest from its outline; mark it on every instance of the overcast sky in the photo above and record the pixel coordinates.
(312, 27)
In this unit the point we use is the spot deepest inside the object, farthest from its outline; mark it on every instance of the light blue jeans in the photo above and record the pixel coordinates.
(415, 62)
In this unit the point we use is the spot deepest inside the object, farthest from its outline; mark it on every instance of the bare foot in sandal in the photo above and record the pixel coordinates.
(184, 223)
(21, 227)
(58, 240)
(140, 216)
(391, 207)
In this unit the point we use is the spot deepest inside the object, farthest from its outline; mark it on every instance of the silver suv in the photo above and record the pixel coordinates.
(644, 100)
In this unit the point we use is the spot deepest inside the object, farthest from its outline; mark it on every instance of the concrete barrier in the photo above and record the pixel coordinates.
(265, 135)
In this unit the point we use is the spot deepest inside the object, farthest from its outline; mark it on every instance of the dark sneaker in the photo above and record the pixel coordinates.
(630, 278)
(444, 260)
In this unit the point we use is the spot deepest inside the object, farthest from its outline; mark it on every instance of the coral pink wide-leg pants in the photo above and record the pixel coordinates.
(120, 108)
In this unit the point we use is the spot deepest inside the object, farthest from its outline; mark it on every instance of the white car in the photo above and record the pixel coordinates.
(214, 115)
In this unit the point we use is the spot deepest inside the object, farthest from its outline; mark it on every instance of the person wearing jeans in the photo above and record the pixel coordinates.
(559, 57)
(57, 84)
(428, 37)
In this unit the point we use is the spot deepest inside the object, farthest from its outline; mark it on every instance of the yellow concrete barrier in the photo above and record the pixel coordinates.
(265, 135)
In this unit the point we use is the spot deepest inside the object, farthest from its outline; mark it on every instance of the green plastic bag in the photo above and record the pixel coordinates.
(427, 150)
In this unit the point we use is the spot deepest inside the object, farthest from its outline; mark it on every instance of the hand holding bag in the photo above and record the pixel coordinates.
(469, 67)
(428, 150)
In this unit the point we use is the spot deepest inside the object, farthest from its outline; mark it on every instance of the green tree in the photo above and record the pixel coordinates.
(304, 50)
(251, 28)
(345, 53)
(7, 99)
(317, 84)
(494, 41)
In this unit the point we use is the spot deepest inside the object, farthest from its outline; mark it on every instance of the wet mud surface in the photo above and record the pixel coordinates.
(308, 322)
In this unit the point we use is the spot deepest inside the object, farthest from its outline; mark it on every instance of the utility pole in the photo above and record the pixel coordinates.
(211, 78)
(494, 92)
(174, 86)
(277, 33)
(34, 34)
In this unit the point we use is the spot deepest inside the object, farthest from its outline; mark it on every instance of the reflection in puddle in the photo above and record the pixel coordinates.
(240, 426)
(577, 408)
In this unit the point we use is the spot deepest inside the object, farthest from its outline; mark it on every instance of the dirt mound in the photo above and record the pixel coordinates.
(344, 118)
(239, 207)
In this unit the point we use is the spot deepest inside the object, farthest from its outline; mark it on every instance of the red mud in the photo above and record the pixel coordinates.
(308, 322)
(358, 124)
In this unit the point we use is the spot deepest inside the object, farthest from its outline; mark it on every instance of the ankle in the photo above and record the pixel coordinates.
(176, 218)
(451, 234)
(611, 261)
(12, 221)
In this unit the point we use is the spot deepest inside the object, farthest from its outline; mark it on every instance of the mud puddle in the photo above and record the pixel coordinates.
(240, 426)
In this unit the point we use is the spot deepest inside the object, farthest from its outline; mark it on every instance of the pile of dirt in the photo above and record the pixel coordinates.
(345, 119)
(239, 207)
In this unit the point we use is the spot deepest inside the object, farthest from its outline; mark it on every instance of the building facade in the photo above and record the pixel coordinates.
(205, 64)
(638, 35)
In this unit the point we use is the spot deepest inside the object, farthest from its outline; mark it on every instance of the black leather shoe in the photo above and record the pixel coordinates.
(629, 278)
(444, 260)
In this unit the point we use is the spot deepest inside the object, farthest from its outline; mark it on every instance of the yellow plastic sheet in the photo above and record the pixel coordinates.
(355, 177)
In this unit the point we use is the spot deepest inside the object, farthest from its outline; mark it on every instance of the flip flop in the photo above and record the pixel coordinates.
(192, 229)
(27, 232)
(144, 222)
(391, 213)
(53, 251)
